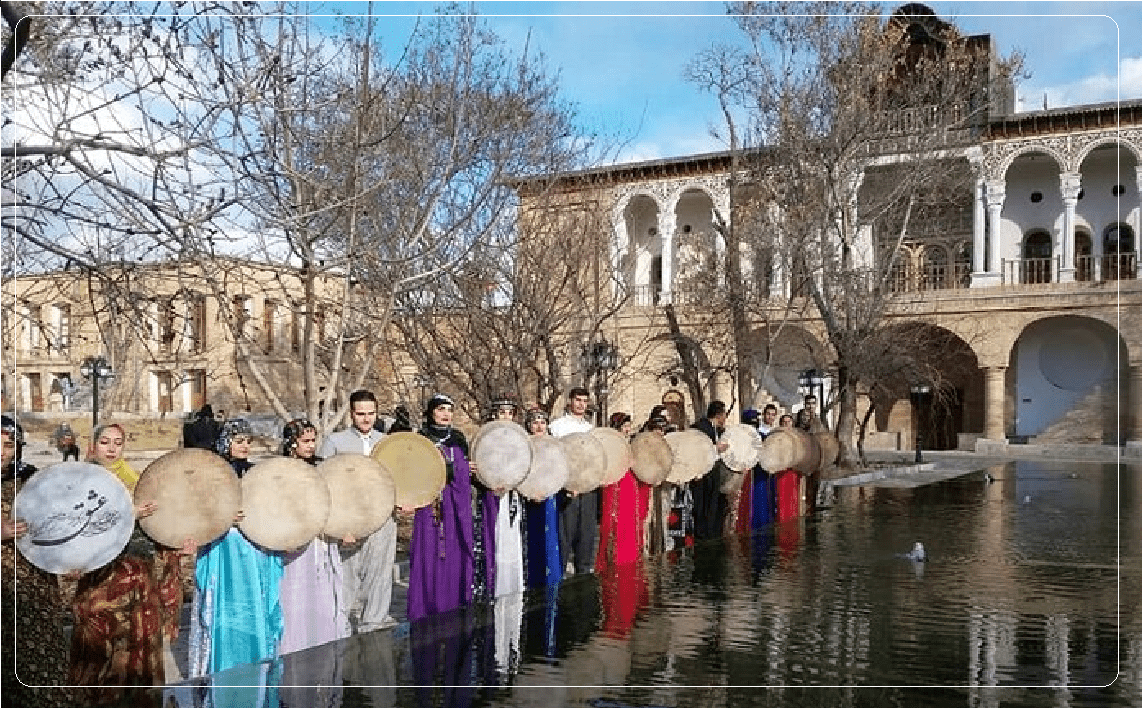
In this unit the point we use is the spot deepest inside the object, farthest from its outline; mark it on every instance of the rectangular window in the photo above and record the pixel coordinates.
(196, 323)
(269, 316)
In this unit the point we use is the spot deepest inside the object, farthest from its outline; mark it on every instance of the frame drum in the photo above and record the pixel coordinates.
(744, 445)
(694, 455)
(548, 473)
(586, 462)
(197, 494)
(653, 457)
(617, 450)
(502, 454)
(361, 495)
(416, 465)
(285, 503)
(79, 516)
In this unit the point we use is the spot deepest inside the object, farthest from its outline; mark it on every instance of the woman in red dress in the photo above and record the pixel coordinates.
(623, 509)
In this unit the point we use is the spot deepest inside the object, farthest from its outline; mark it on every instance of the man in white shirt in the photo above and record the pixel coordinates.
(768, 420)
(579, 513)
(368, 565)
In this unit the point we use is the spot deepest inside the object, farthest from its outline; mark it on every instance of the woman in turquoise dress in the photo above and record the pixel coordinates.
(236, 617)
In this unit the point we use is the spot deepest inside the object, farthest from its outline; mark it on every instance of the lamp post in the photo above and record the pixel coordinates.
(423, 382)
(95, 368)
(599, 359)
(921, 393)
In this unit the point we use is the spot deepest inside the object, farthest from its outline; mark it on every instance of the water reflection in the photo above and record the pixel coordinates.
(1018, 605)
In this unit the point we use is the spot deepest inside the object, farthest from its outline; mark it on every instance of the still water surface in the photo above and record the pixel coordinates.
(1031, 596)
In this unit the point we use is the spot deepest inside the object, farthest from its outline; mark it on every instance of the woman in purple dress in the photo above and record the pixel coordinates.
(452, 551)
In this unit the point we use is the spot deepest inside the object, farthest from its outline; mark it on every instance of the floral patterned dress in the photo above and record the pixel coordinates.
(32, 606)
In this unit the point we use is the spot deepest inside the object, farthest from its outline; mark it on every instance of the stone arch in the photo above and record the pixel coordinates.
(776, 356)
(697, 245)
(945, 360)
(1085, 151)
(1067, 372)
(1026, 150)
(639, 245)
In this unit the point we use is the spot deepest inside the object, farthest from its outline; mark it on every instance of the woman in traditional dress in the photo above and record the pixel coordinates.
(236, 616)
(37, 655)
(544, 567)
(312, 594)
(127, 612)
(452, 550)
(624, 507)
(509, 524)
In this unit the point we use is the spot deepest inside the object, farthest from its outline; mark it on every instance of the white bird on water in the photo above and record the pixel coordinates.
(918, 553)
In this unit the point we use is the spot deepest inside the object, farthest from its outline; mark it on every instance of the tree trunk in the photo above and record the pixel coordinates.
(846, 419)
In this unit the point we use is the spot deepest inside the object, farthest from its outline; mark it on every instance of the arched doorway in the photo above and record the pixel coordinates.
(1068, 365)
(919, 353)
(1037, 250)
(1118, 252)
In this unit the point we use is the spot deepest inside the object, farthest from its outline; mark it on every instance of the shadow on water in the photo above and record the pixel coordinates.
(1030, 597)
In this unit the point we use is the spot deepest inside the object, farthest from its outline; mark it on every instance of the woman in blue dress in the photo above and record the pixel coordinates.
(544, 568)
(236, 617)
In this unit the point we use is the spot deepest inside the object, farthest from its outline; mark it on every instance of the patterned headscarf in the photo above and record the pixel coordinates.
(533, 414)
(10, 426)
(292, 432)
(230, 430)
(437, 400)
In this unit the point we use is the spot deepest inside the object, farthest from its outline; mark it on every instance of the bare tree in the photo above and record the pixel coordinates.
(854, 129)
(237, 134)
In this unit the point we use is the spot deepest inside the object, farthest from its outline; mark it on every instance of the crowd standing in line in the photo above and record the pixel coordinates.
(468, 547)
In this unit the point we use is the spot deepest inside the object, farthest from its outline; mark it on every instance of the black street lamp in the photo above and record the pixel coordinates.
(921, 395)
(599, 359)
(96, 369)
(423, 382)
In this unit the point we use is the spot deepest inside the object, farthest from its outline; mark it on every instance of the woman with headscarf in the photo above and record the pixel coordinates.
(623, 510)
(37, 654)
(452, 550)
(508, 524)
(312, 596)
(544, 564)
(236, 616)
(127, 612)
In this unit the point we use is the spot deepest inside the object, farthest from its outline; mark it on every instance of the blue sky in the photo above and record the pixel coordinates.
(621, 62)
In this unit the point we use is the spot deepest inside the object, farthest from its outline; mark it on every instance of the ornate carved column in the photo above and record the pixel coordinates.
(994, 402)
(1070, 184)
(666, 222)
(620, 248)
(996, 194)
(979, 231)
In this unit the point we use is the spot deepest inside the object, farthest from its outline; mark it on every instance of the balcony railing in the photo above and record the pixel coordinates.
(1116, 266)
(931, 277)
(1029, 271)
(1098, 269)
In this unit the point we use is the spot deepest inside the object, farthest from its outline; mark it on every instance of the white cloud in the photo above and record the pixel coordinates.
(1096, 88)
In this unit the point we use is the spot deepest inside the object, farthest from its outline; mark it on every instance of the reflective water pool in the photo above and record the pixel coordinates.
(1031, 596)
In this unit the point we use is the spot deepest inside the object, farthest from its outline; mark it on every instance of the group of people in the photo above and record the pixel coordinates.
(470, 546)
